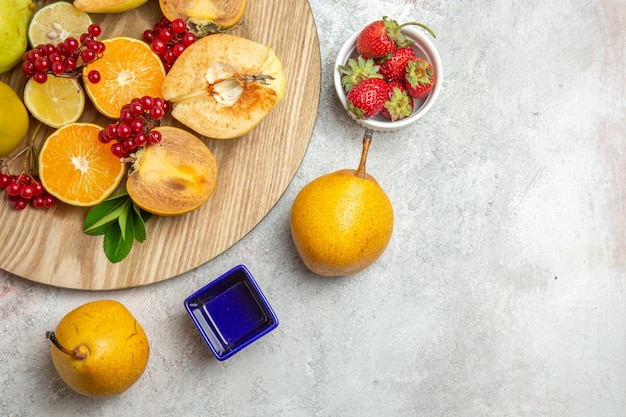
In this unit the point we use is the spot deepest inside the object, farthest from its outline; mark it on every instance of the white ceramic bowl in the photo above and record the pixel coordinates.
(424, 48)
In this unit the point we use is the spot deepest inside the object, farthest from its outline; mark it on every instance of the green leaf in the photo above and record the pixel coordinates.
(141, 217)
(121, 222)
(116, 248)
(102, 214)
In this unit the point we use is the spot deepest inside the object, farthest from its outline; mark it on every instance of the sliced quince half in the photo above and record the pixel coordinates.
(223, 85)
(208, 16)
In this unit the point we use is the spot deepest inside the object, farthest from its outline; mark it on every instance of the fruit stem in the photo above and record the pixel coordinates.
(423, 26)
(74, 353)
(367, 141)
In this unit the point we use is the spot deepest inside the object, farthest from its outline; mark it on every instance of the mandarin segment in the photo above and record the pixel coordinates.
(76, 168)
(128, 69)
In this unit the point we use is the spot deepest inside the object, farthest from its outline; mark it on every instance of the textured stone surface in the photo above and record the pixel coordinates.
(502, 291)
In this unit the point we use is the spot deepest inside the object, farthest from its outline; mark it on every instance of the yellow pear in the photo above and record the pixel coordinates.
(99, 349)
(107, 6)
(342, 222)
(223, 85)
(13, 120)
(15, 16)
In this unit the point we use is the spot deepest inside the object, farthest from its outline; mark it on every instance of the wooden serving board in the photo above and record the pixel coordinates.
(48, 245)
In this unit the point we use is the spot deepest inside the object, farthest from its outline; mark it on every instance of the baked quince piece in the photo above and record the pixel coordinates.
(223, 85)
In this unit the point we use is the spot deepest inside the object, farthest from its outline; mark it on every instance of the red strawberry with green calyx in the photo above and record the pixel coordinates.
(393, 66)
(382, 37)
(419, 78)
(400, 103)
(357, 70)
(368, 97)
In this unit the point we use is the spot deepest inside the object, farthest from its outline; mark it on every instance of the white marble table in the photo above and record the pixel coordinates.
(502, 292)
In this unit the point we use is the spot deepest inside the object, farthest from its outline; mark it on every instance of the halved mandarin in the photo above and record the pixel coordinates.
(78, 169)
(128, 69)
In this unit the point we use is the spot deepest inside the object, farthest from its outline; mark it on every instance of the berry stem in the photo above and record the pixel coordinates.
(74, 353)
(367, 141)
(423, 26)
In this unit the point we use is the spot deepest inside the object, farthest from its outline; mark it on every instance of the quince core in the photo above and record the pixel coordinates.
(222, 86)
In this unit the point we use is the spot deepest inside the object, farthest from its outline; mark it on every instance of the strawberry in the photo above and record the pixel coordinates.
(357, 70)
(382, 37)
(399, 105)
(393, 66)
(419, 78)
(367, 98)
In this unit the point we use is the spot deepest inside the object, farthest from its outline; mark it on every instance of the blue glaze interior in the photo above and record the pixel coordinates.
(231, 312)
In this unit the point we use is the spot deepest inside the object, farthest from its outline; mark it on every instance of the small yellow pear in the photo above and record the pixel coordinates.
(13, 120)
(342, 222)
(15, 16)
(99, 349)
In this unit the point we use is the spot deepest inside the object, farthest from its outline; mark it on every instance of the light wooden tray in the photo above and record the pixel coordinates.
(48, 246)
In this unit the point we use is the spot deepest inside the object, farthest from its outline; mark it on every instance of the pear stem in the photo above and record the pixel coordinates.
(74, 353)
(367, 141)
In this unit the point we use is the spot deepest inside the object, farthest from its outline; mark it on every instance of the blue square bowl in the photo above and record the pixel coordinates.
(231, 312)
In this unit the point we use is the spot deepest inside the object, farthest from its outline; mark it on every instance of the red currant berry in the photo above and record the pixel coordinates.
(123, 130)
(37, 202)
(71, 44)
(140, 139)
(33, 54)
(48, 200)
(154, 136)
(136, 109)
(27, 192)
(42, 64)
(178, 49)
(38, 188)
(136, 125)
(40, 77)
(49, 49)
(146, 102)
(111, 131)
(20, 203)
(118, 150)
(13, 189)
(4, 180)
(94, 30)
(158, 46)
(188, 38)
(70, 63)
(57, 67)
(148, 35)
(28, 69)
(94, 76)
(178, 26)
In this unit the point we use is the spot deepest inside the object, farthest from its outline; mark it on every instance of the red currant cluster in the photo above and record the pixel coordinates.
(24, 189)
(169, 39)
(134, 129)
(65, 59)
